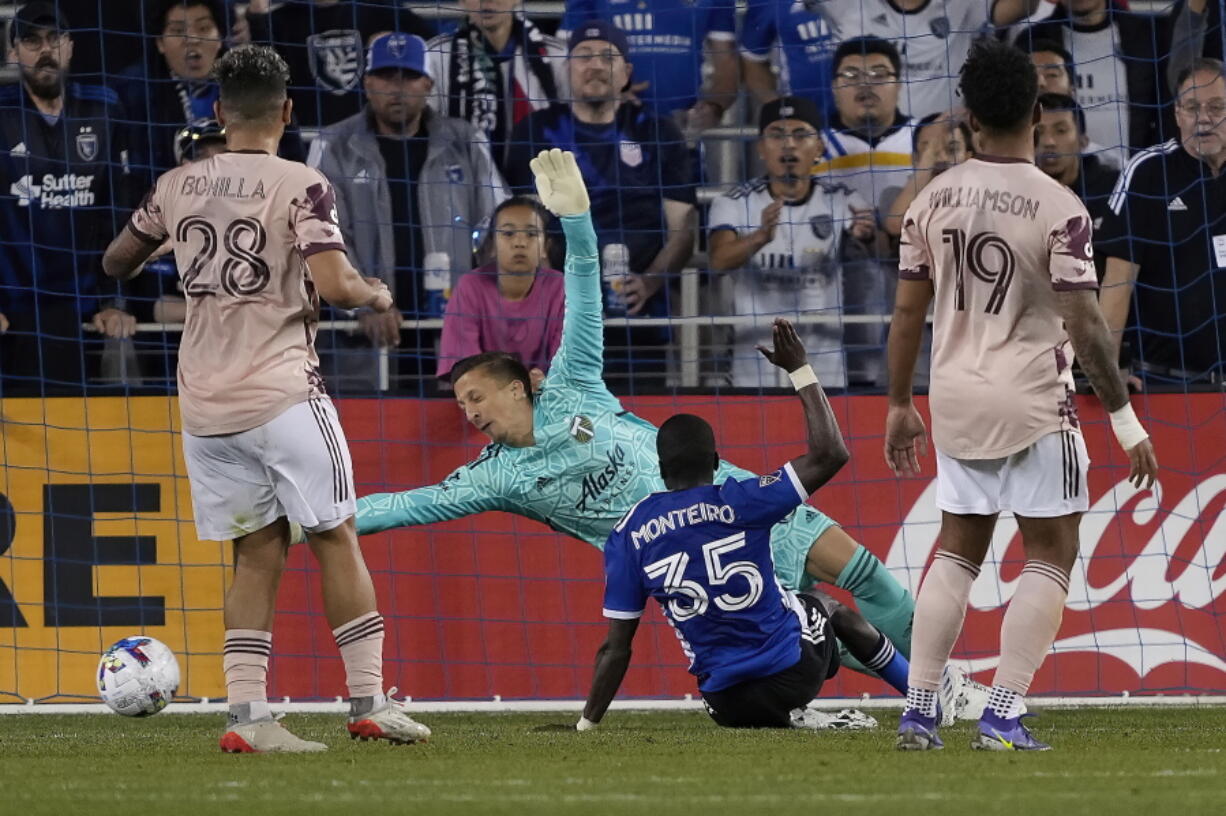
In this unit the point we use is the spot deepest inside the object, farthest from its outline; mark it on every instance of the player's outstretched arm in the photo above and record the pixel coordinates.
(827, 451)
(612, 660)
(1092, 343)
(561, 189)
(467, 491)
(340, 284)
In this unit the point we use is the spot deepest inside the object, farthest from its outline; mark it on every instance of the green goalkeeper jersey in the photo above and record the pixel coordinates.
(592, 460)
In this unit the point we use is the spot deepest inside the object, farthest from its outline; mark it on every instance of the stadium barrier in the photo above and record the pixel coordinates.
(96, 543)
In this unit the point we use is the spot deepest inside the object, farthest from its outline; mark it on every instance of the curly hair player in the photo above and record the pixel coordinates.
(703, 551)
(1005, 250)
(571, 457)
(256, 239)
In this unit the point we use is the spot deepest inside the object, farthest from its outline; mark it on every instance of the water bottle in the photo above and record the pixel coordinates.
(614, 267)
(436, 276)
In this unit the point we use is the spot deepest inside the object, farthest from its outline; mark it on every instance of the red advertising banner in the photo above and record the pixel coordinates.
(496, 605)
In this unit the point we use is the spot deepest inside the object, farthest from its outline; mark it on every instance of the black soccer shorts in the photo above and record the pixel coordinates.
(767, 702)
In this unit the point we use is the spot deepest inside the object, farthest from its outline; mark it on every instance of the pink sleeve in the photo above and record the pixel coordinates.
(914, 262)
(461, 328)
(147, 222)
(314, 219)
(1071, 254)
(557, 313)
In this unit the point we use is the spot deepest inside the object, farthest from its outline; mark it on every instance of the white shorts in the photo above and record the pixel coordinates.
(1046, 480)
(296, 465)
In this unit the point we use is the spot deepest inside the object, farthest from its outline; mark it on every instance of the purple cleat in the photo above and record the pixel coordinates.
(1000, 734)
(918, 733)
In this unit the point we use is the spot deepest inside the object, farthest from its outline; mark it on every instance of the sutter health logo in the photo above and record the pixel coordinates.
(53, 192)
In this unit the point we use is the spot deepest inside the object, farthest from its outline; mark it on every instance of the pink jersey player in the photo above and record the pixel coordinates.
(257, 245)
(1006, 253)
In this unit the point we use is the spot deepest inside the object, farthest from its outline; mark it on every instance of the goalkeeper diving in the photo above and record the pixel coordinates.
(570, 456)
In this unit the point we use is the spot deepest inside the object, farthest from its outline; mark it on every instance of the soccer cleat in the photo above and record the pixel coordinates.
(1000, 734)
(266, 737)
(389, 723)
(961, 697)
(918, 733)
(849, 719)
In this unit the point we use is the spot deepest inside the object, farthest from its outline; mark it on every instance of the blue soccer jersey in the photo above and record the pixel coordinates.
(805, 38)
(667, 41)
(705, 555)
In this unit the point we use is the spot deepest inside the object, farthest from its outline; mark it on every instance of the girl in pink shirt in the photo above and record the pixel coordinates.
(512, 305)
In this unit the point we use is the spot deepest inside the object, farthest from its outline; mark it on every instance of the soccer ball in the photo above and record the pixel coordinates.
(138, 676)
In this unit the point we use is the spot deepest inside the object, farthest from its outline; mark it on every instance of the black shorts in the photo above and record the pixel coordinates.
(768, 702)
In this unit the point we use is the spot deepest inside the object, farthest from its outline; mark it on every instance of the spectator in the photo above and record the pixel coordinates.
(933, 36)
(868, 141)
(782, 235)
(637, 170)
(63, 188)
(157, 294)
(512, 304)
(410, 184)
(1162, 236)
(496, 69)
(1060, 143)
(939, 141)
(173, 85)
(324, 43)
(804, 39)
(1115, 68)
(1194, 19)
(668, 40)
(1054, 67)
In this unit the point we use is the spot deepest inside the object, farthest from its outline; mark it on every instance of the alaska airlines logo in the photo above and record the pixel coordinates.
(595, 484)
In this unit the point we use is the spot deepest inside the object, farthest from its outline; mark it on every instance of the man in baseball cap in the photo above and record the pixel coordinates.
(35, 18)
(790, 107)
(404, 52)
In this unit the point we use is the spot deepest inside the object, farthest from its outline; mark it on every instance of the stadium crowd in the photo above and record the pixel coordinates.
(768, 155)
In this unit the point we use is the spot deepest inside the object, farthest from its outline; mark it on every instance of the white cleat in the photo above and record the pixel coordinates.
(266, 737)
(961, 697)
(389, 723)
(849, 719)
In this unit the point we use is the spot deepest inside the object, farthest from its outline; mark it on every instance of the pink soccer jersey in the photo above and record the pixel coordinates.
(998, 238)
(243, 226)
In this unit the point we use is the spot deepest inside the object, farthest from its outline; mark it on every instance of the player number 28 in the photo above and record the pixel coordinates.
(243, 271)
(694, 599)
(988, 257)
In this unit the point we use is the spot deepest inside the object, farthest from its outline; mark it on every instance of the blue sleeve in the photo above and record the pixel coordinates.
(766, 500)
(577, 13)
(471, 489)
(722, 19)
(580, 358)
(625, 597)
(758, 27)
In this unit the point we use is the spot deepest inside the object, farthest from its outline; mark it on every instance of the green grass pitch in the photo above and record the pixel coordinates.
(1114, 762)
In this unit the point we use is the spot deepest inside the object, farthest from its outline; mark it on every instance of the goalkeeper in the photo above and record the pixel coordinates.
(571, 457)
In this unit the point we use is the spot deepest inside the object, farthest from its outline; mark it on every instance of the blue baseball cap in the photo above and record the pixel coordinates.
(396, 50)
(600, 30)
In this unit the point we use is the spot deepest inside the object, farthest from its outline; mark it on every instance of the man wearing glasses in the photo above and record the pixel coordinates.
(781, 236)
(63, 174)
(1165, 236)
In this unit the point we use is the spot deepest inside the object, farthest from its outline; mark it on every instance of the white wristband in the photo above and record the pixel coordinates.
(585, 724)
(803, 376)
(1127, 427)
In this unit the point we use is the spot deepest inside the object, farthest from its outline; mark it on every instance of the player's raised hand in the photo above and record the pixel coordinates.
(559, 182)
(789, 352)
(1142, 464)
(905, 440)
